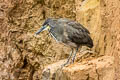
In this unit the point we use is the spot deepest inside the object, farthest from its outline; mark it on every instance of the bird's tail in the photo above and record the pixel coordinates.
(90, 44)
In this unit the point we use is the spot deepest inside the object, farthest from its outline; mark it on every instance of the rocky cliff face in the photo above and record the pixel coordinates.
(23, 56)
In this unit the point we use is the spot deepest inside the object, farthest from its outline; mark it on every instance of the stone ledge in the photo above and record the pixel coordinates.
(97, 69)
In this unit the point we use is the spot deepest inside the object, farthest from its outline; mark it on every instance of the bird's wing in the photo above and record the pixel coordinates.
(78, 26)
(78, 34)
(73, 24)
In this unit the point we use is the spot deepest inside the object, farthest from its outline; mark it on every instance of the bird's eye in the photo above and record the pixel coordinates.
(47, 24)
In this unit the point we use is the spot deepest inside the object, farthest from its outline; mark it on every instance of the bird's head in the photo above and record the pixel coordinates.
(45, 26)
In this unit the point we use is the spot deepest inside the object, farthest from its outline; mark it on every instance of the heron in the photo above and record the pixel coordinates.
(69, 32)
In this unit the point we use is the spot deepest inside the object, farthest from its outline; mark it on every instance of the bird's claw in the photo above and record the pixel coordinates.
(73, 61)
(65, 64)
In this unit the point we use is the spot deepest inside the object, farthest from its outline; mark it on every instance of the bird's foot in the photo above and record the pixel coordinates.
(65, 64)
(73, 60)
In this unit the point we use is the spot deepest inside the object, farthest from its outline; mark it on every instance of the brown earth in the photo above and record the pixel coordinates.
(23, 56)
(101, 68)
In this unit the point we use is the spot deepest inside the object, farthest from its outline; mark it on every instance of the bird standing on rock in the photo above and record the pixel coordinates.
(68, 32)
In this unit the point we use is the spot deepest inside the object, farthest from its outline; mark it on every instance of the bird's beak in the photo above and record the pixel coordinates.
(40, 30)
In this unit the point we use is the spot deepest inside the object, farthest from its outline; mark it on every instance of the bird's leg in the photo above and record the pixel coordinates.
(73, 59)
(68, 58)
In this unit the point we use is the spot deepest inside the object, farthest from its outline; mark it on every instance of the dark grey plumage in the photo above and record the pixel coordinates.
(68, 32)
